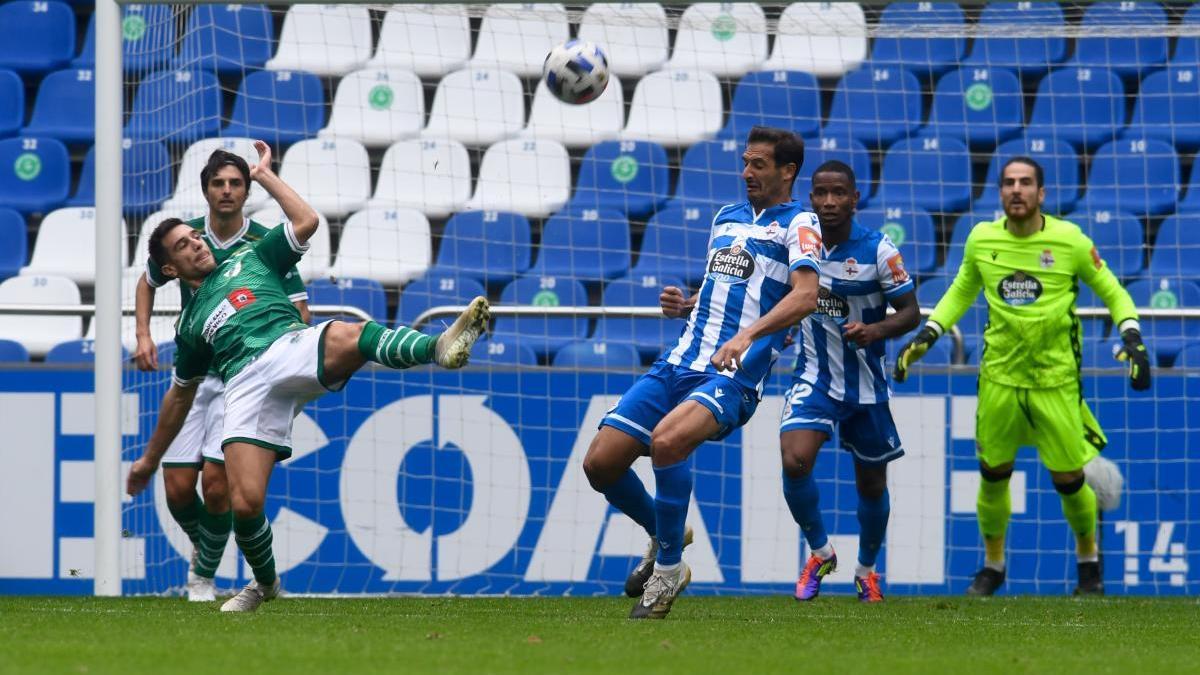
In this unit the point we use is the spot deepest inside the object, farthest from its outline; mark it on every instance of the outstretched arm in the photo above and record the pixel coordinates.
(175, 406)
(797, 304)
(302, 216)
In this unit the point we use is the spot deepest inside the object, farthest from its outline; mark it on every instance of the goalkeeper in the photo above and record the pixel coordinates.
(1028, 265)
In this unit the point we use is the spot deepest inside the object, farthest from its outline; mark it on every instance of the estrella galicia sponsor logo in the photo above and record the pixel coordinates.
(731, 265)
(1019, 289)
(832, 305)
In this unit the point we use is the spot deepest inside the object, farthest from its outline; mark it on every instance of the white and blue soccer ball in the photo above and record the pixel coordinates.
(576, 71)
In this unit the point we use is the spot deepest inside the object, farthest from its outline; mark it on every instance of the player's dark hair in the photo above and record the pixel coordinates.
(834, 166)
(789, 148)
(1022, 159)
(158, 252)
(220, 158)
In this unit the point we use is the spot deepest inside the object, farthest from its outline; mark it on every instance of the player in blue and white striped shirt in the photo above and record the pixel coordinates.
(761, 279)
(840, 379)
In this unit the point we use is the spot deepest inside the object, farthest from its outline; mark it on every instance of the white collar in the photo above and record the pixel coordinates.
(212, 236)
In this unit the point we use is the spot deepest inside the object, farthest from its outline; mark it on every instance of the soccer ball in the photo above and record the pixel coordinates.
(1106, 481)
(576, 71)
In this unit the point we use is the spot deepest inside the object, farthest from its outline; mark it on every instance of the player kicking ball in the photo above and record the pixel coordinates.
(840, 378)
(761, 278)
(241, 323)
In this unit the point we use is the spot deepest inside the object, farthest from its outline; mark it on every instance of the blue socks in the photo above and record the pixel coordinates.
(674, 491)
(872, 526)
(629, 496)
(804, 500)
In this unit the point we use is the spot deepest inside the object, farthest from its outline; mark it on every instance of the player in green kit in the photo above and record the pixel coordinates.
(196, 451)
(1028, 265)
(241, 323)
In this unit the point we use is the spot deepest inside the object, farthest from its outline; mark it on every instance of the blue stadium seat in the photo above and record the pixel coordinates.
(817, 151)
(176, 106)
(148, 39)
(711, 171)
(877, 105)
(1082, 106)
(1191, 199)
(631, 177)
(280, 107)
(1060, 165)
(436, 288)
(65, 107)
(1176, 252)
(1023, 55)
(12, 351)
(12, 103)
(1117, 236)
(787, 99)
(79, 351)
(145, 185)
(1187, 48)
(14, 243)
(1134, 175)
(675, 243)
(365, 294)
(586, 244)
(35, 174)
(545, 335)
(227, 38)
(1166, 337)
(925, 57)
(931, 173)
(650, 335)
(36, 36)
(490, 246)
(492, 352)
(972, 322)
(1130, 58)
(1168, 108)
(597, 354)
(911, 230)
(1189, 357)
(981, 106)
(958, 238)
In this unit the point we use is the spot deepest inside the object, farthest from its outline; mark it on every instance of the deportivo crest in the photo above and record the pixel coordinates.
(1046, 260)
(850, 267)
(732, 264)
(1019, 289)
(772, 229)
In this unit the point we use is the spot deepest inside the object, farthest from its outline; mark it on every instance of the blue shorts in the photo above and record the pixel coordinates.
(665, 386)
(867, 431)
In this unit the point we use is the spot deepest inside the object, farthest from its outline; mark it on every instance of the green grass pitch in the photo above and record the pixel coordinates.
(523, 635)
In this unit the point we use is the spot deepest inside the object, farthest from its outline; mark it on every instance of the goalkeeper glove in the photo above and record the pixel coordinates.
(913, 351)
(1133, 351)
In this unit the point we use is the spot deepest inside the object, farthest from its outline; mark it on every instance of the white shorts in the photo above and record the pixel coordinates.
(262, 400)
(199, 439)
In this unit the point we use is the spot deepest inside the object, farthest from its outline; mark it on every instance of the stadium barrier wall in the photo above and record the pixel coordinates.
(373, 500)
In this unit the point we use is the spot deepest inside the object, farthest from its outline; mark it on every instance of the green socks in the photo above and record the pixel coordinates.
(1079, 508)
(189, 518)
(253, 537)
(213, 534)
(993, 508)
(399, 348)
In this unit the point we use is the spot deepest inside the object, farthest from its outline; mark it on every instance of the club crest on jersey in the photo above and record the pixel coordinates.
(732, 264)
(772, 229)
(241, 297)
(1046, 260)
(832, 305)
(850, 267)
(1019, 289)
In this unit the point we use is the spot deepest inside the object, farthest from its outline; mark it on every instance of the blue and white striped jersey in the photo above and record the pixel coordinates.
(858, 277)
(750, 259)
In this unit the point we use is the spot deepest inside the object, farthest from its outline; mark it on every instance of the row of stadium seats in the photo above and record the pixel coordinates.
(528, 340)
(728, 39)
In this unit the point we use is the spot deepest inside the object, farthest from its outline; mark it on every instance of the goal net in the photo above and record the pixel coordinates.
(443, 169)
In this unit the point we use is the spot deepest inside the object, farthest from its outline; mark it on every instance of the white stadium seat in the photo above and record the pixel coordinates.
(429, 40)
(315, 263)
(39, 333)
(391, 246)
(530, 177)
(675, 108)
(477, 106)
(632, 35)
(333, 176)
(577, 126)
(189, 195)
(141, 251)
(162, 326)
(432, 176)
(826, 39)
(66, 246)
(517, 37)
(324, 39)
(726, 39)
(377, 107)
